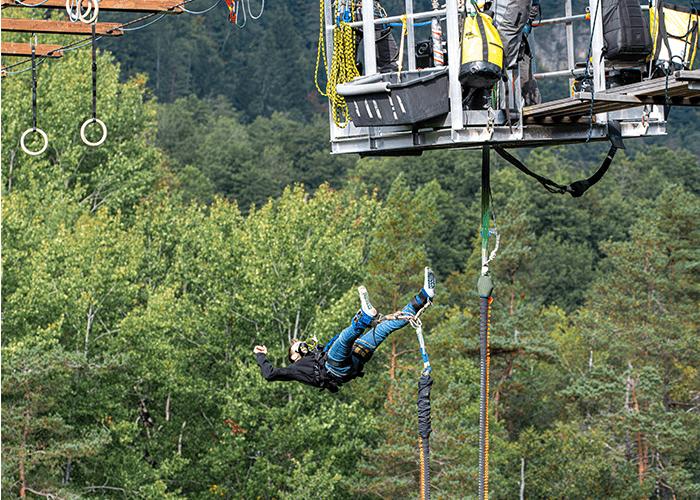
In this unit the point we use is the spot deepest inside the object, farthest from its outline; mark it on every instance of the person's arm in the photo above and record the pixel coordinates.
(269, 372)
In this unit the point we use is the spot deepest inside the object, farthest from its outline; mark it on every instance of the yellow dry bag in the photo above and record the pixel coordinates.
(482, 52)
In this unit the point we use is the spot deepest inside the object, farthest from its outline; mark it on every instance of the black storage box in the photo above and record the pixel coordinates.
(626, 31)
(397, 98)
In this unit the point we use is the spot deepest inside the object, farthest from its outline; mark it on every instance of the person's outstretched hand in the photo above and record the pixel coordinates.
(260, 349)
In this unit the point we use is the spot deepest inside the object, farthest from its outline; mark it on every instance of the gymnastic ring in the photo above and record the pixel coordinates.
(69, 10)
(34, 153)
(104, 131)
(94, 15)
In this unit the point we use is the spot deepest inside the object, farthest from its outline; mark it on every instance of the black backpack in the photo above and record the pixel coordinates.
(626, 31)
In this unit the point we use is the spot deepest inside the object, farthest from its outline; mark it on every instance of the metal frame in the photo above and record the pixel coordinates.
(460, 128)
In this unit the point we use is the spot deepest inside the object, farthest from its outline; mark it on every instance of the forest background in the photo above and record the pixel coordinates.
(138, 276)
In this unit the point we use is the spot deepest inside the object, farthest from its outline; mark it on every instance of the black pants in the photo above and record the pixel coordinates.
(387, 51)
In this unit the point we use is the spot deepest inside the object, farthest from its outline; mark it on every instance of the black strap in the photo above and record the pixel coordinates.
(549, 185)
(34, 84)
(94, 75)
(484, 40)
(575, 189)
(341, 364)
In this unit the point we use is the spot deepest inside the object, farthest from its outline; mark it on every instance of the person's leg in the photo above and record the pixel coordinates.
(387, 51)
(341, 350)
(373, 338)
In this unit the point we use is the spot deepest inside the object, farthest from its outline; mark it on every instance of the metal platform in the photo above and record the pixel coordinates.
(638, 107)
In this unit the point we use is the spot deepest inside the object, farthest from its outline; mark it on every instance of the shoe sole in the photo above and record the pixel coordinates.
(429, 278)
(366, 304)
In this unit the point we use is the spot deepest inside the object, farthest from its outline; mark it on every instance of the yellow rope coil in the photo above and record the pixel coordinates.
(343, 68)
(321, 50)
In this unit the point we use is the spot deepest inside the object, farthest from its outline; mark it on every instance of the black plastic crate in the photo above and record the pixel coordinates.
(398, 98)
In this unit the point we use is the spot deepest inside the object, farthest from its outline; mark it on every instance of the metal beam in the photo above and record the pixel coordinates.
(60, 27)
(25, 49)
(147, 6)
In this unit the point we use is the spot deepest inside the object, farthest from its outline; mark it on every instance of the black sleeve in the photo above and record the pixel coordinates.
(269, 372)
(301, 371)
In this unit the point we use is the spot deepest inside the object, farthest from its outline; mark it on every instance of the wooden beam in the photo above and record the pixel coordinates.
(60, 27)
(147, 6)
(24, 49)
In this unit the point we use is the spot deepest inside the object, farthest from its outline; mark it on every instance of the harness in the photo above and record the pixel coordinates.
(327, 380)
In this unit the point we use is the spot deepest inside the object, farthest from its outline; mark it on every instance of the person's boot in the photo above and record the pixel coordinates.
(427, 293)
(367, 312)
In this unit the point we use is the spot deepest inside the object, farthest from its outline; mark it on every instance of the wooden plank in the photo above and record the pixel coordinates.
(146, 6)
(60, 27)
(688, 75)
(604, 96)
(24, 49)
(680, 93)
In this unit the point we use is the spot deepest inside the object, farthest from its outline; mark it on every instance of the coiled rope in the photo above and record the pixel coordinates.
(343, 68)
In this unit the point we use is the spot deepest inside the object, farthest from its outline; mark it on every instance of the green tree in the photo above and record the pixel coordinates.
(37, 438)
(636, 385)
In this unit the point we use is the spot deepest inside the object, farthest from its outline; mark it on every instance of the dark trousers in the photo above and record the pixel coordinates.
(387, 51)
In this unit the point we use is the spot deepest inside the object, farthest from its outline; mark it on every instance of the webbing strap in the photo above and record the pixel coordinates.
(94, 74)
(33, 83)
(484, 40)
(575, 189)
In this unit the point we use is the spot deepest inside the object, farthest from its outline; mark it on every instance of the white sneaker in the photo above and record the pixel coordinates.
(429, 283)
(366, 305)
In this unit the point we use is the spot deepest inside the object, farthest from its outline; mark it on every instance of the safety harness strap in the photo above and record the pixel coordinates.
(577, 188)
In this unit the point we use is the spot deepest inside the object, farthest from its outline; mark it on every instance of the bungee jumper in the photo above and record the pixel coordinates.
(345, 356)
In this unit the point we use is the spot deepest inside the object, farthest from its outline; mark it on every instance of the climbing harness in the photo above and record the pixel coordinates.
(33, 43)
(94, 100)
(577, 188)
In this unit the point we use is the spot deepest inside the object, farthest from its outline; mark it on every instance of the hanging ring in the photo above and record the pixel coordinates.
(78, 16)
(94, 14)
(69, 10)
(34, 153)
(104, 131)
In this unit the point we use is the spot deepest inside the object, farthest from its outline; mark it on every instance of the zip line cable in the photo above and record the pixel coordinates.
(145, 25)
(202, 12)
